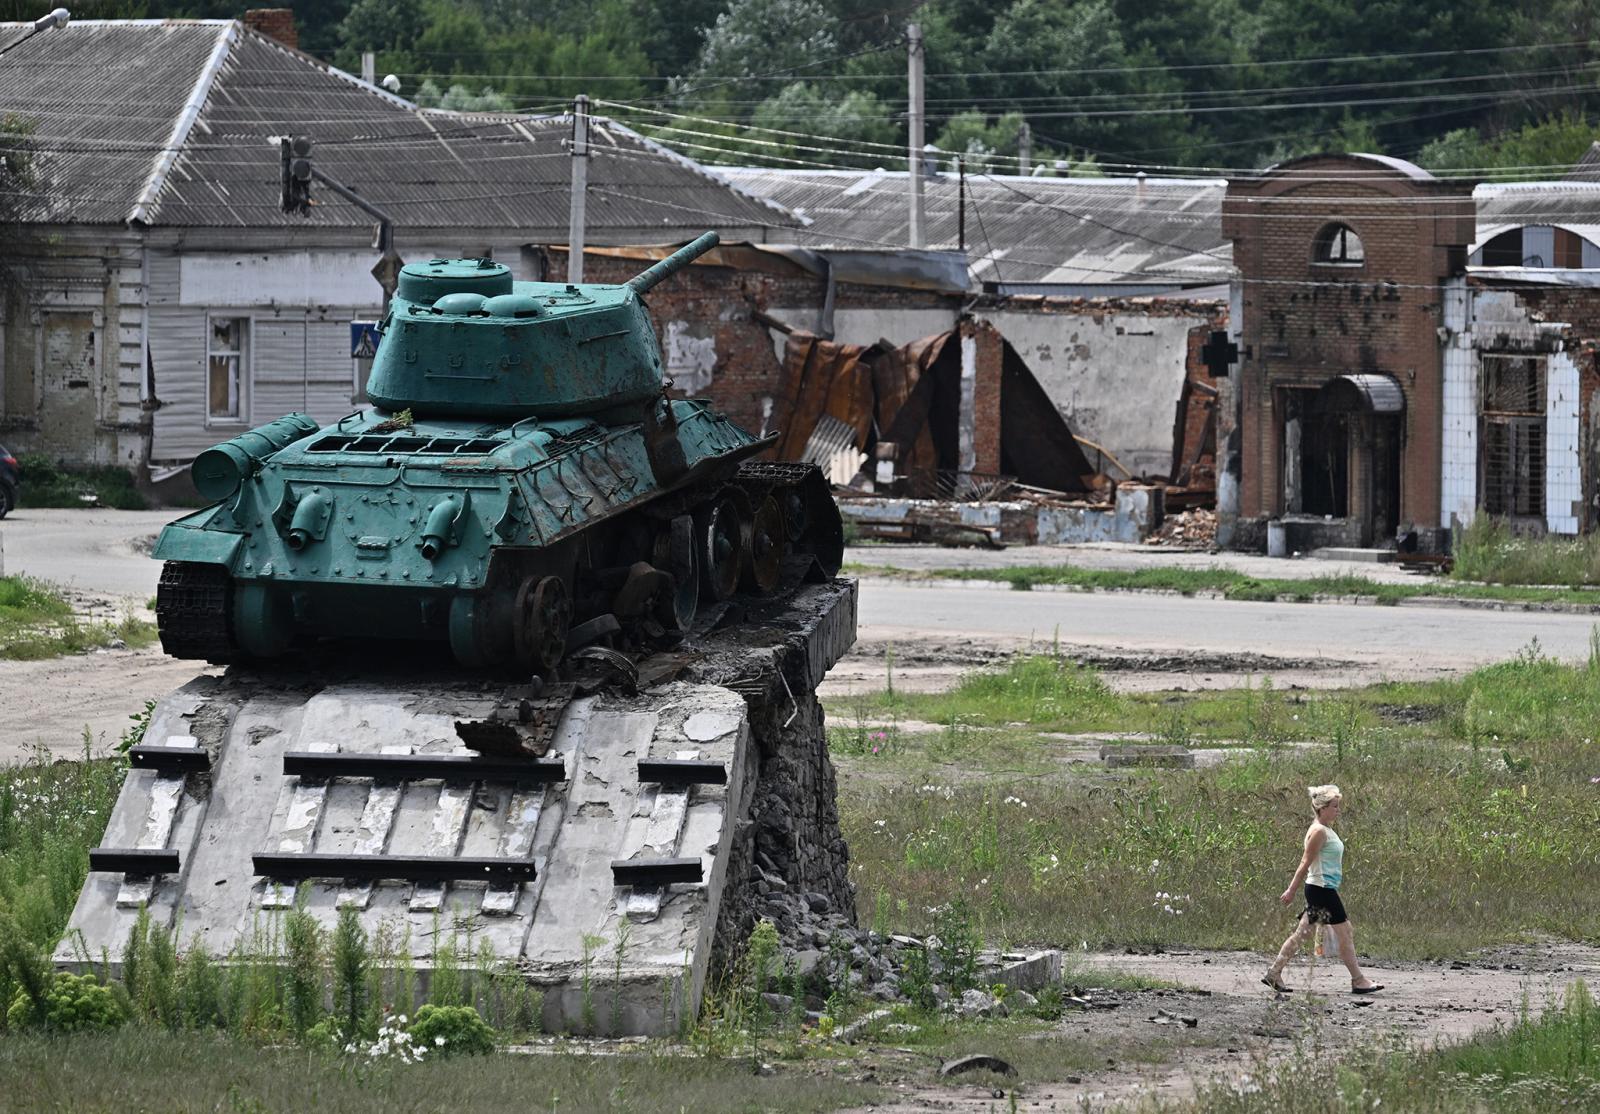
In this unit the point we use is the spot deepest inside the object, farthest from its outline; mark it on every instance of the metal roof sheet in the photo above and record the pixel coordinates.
(1381, 394)
(1018, 229)
(175, 123)
(1569, 204)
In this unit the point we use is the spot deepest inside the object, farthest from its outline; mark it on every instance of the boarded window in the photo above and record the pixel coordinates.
(1569, 248)
(1511, 442)
(1339, 244)
(226, 347)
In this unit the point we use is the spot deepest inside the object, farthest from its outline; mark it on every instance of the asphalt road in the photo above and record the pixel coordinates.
(1405, 640)
(98, 551)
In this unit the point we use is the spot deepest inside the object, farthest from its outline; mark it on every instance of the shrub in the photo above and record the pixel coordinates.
(72, 1004)
(452, 1031)
(48, 483)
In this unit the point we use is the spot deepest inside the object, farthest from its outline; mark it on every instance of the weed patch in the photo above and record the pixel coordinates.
(1488, 551)
(1494, 789)
(1237, 586)
(37, 622)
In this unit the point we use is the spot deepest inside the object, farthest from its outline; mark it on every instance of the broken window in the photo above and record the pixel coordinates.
(1511, 441)
(1505, 250)
(1339, 244)
(227, 338)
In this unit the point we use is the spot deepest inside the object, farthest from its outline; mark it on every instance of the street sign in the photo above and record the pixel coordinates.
(363, 340)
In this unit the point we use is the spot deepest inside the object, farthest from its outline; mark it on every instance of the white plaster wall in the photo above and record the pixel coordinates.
(1563, 476)
(1115, 378)
(1458, 497)
(293, 278)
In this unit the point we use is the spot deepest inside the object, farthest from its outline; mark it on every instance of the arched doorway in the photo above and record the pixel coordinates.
(1341, 453)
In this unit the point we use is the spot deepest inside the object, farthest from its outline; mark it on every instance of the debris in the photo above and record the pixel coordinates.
(980, 1003)
(1191, 529)
(979, 1062)
(1167, 1017)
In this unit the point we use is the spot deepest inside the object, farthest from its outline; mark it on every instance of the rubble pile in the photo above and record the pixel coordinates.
(1192, 529)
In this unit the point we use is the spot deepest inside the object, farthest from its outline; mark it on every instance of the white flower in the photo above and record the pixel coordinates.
(439, 1041)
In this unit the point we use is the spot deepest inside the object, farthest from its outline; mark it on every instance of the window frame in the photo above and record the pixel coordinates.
(1322, 246)
(245, 364)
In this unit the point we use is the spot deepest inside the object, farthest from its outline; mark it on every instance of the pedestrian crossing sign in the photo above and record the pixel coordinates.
(363, 340)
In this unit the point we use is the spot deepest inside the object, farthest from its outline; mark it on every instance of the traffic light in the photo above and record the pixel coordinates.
(295, 155)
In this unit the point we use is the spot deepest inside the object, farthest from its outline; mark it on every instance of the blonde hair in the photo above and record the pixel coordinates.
(1323, 795)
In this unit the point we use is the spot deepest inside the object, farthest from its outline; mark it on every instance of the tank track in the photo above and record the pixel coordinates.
(194, 611)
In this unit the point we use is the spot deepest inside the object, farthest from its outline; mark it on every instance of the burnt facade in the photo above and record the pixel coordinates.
(1344, 263)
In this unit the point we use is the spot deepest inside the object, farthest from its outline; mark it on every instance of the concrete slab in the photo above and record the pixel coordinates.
(1353, 556)
(612, 959)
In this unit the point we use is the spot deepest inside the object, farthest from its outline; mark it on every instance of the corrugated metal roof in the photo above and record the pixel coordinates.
(1019, 230)
(108, 98)
(102, 100)
(1573, 205)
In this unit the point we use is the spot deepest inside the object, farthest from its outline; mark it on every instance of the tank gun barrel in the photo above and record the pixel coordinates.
(672, 264)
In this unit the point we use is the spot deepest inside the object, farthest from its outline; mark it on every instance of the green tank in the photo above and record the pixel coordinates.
(521, 485)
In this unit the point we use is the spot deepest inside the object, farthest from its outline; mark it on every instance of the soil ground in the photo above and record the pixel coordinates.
(1240, 1025)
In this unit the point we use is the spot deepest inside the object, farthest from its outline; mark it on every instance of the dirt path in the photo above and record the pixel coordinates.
(932, 662)
(49, 703)
(1241, 1026)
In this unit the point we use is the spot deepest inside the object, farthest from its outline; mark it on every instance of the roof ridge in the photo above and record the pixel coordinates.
(168, 155)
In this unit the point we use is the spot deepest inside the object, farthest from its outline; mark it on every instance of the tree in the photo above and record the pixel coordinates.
(1048, 58)
(858, 118)
(756, 37)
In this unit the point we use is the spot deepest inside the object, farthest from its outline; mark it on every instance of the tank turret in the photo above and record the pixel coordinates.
(462, 339)
(521, 486)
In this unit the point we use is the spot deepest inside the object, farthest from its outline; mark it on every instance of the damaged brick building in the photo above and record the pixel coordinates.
(1387, 391)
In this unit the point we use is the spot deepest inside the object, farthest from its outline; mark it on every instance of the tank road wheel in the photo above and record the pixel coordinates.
(542, 615)
(675, 552)
(194, 611)
(718, 534)
(763, 549)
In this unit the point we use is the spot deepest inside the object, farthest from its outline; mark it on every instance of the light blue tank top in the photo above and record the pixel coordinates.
(1327, 869)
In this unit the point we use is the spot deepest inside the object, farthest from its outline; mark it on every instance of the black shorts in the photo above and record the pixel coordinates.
(1323, 905)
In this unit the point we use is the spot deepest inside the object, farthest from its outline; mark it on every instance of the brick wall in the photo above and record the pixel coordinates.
(1305, 323)
(990, 347)
(275, 23)
(716, 304)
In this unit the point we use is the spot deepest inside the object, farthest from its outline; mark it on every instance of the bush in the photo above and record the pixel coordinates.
(452, 1031)
(72, 1004)
(48, 483)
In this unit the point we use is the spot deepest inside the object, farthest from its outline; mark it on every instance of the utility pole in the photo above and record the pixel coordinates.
(1024, 148)
(369, 67)
(580, 186)
(961, 202)
(915, 137)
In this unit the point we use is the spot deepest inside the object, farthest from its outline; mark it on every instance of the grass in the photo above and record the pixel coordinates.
(50, 814)
(1485, 797)
(36, 622)
(46, 483)
(140, 1069)
(1544, 1062)
(1237, 586)
(1488, 551)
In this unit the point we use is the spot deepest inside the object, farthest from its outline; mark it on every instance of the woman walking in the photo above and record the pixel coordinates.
(1321, 869)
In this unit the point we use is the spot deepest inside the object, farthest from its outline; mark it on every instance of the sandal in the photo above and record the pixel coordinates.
(1373, 989)
(1276, 984)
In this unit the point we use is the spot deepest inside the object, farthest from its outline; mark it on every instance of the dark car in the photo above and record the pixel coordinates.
(10, 481)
